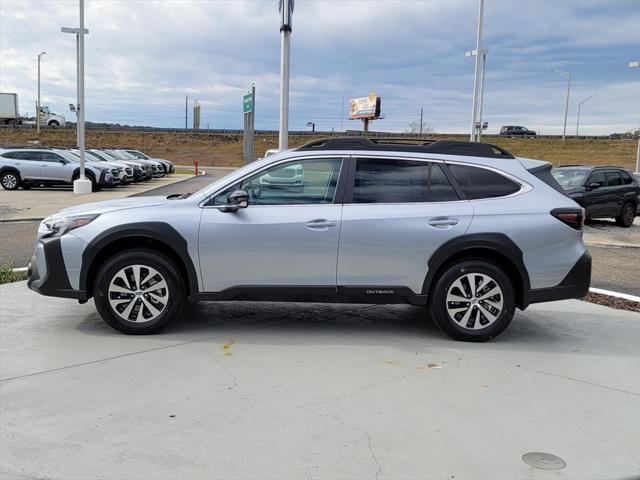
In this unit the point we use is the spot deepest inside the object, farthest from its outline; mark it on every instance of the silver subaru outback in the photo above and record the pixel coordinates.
(466, 230)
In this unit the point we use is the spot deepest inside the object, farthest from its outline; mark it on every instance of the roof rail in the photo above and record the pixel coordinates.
(447, 147)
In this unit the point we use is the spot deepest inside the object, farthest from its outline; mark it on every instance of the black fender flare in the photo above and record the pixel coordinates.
(159, 232)
(4, 170)
(496, 244)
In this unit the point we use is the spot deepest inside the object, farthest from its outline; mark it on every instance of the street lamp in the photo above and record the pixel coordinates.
(38, 106)
(474, 110)
(82, 185)
(286, 14)
(566, 75)
(636, 65)
(579, 107)
(483, 54)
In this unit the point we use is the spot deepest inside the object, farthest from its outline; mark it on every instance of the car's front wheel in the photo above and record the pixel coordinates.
(473, 300)
(139, 292)
(627, 215)
(10, 180)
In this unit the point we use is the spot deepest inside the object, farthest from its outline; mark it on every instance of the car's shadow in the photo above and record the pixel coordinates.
(560, 330)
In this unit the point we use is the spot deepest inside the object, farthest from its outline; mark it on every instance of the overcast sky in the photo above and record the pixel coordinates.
(144, 56)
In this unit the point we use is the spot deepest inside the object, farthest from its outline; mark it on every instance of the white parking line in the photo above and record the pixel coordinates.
(625, 296)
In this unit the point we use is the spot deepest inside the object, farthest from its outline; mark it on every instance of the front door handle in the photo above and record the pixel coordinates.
(321, 224)
(443, 222)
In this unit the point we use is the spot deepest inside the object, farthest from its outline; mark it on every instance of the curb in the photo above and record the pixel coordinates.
(615, 245)
(609, 293)
(16, 220)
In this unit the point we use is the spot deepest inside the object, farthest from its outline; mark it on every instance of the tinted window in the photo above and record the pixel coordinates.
(11, 155)
(27, 155)
(440, 189)
(400, 181)
(380, 180)
(49, 157)
(626, 178)
(482, 183)
(613, 179)
(293, 183)
(598, 178)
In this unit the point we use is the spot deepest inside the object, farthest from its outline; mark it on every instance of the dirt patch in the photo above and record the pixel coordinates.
(225, 150)
(613, 302)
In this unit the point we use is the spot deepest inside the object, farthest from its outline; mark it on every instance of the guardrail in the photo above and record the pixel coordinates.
(302, 133)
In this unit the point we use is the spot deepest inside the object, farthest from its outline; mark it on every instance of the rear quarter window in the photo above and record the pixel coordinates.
(477, 183)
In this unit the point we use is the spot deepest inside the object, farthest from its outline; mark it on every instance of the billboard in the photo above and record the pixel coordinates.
(365, 107)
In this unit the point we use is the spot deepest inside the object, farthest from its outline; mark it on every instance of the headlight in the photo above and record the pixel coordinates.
(59, 226)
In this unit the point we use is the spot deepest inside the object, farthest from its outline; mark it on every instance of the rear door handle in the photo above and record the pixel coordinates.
(442, 222)
(321, 224)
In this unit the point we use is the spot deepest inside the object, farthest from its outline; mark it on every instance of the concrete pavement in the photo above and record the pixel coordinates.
(268, 390)
(39, 203)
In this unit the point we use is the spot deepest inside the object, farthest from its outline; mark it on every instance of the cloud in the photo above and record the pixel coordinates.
(143, 57)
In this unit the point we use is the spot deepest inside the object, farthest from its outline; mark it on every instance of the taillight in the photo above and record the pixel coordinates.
(574, 217)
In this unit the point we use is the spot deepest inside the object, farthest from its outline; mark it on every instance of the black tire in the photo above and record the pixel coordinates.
(10, 180)
(54, 124)
(438, 305)
(148, 259)
(627, 215)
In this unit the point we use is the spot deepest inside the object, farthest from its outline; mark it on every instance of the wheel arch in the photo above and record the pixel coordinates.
(4, 170)
(157, 236)
(494, 247)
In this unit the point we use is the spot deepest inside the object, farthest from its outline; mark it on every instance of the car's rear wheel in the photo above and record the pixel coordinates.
(627, 215)
(473, 300)
(10, 180)
(139, 292)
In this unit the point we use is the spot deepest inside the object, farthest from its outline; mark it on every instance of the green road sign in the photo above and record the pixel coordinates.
(247, 103)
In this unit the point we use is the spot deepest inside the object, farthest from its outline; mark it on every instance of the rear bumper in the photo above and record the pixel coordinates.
(47, 272)
(574, 285)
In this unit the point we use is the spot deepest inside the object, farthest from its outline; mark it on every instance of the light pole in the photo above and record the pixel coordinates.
(38, 106)
(474, 110)
(483, 53)
(286, 14)
(566, 75)
(637, 65)
(579, 108)
(82, 185)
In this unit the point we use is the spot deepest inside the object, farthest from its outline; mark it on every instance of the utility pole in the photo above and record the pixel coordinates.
(474, 110)
(484, 64)
(286, 14)
(186, 106)
(82, 185)
(38, 106)
(637, 65)
(421, 112)
(342, 115)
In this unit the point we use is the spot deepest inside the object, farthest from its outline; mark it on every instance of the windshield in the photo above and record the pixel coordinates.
(570, 177)
(137, 154)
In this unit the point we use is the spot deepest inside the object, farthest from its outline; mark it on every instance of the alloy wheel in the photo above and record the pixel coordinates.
(138, 293)
(628, 214)
(9, 181)
(474, 301)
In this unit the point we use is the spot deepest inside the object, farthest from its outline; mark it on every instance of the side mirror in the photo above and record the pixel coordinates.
(236, 200)
(62, 161)
(593, 186)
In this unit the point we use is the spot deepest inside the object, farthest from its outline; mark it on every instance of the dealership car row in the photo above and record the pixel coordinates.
(27, 167)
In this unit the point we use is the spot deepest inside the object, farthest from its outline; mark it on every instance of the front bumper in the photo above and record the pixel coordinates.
(574, 285)
(107, 178)
(47, 272)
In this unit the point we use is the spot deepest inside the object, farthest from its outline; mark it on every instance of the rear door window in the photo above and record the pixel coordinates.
(477, 183)
(614, 179)
(28, 155)
(384, 180)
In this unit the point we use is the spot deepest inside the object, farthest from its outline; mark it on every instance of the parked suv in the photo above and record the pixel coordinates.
(465, 229)
(168, 165)
(604, 192)
(516, 131)
(28, 167)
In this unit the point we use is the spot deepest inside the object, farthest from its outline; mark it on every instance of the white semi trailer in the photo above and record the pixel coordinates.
(10, 113)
